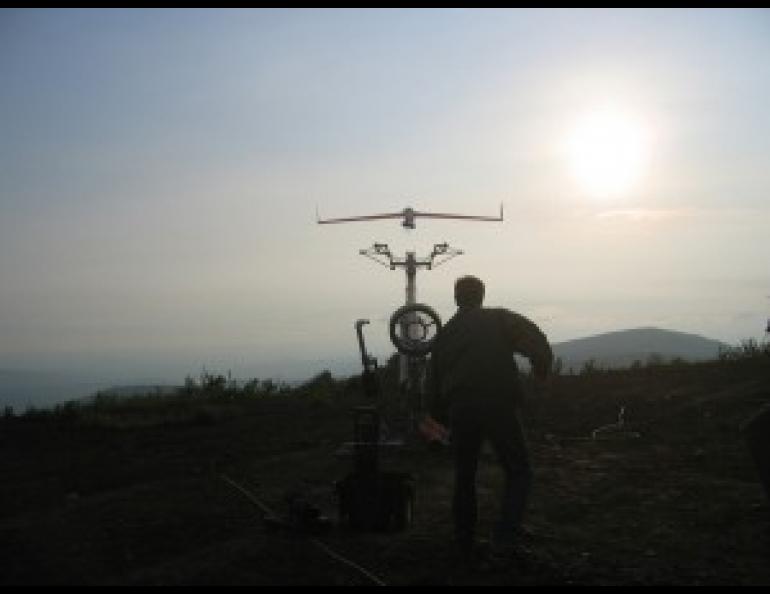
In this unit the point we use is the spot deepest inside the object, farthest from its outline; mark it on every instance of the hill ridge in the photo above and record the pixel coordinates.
(619, 348)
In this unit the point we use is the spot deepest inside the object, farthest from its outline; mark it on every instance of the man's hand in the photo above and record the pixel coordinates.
(432, 430)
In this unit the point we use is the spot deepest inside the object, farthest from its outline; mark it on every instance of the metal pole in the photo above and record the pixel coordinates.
(411, 298)
(411, 278)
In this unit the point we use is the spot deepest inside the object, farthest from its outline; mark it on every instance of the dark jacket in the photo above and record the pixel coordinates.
(472, 357)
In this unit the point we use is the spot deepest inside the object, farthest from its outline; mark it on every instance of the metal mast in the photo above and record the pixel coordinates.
(380, 252)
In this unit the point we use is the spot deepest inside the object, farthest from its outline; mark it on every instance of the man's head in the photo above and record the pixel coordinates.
(469, 292)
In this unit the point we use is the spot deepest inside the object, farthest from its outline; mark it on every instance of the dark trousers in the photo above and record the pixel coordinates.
(499, 423)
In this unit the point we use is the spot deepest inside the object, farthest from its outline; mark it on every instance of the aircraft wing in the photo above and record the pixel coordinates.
(442, 215)
(408, 215)
(391, 215)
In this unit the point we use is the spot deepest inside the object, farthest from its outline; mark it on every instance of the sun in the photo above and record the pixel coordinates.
(607, 151)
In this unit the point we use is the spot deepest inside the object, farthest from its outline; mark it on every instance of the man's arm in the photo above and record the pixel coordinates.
(526, 338)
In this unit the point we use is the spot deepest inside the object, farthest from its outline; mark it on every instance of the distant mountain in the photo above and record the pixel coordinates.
(21, 389)
(622, 348)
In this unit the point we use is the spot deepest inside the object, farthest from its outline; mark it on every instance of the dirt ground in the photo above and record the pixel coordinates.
(673, 498)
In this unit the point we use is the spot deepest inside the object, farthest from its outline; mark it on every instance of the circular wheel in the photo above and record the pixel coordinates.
(413, 328)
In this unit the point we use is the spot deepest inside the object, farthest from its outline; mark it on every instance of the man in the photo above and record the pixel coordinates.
(476, 385)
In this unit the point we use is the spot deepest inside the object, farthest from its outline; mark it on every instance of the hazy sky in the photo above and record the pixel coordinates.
(160, 173)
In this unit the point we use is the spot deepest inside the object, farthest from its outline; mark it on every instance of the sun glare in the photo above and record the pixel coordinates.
(607, 153)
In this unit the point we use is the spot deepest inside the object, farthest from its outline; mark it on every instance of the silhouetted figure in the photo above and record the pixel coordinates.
(476, 387)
